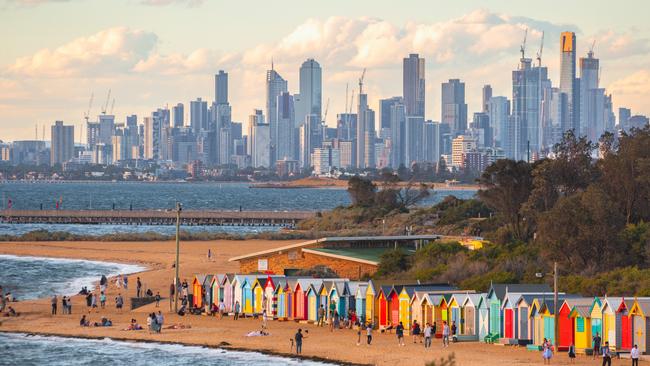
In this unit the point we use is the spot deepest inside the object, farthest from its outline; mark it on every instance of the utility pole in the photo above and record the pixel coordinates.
(178, 246)
(555, 329)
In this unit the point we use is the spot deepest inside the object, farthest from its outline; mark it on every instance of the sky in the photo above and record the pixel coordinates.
(156, 53)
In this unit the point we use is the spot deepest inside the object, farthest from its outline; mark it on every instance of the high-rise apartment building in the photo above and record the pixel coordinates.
(385, 106)
(221, 87)
(198, 115)
(309, 99)
(460, 146)
(285, 130)
(397, 117)
(431, 142)
(259, 137)
(592, 99)
(362, 123)
(454, 108)
(487, 95)
(413, 141)
(569, 84)
(179, 115)
(499, 110)
(62, 141)
(413, 85)
(275, 86)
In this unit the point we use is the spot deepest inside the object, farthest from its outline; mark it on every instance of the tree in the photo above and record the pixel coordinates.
(393, 261)
(362, 191)
(508, 185)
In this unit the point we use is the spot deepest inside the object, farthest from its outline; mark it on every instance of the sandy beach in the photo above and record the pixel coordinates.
(340, 345)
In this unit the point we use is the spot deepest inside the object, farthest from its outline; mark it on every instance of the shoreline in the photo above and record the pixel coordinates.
(224, 346)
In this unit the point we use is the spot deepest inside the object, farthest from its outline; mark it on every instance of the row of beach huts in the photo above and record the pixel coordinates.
(515, 314)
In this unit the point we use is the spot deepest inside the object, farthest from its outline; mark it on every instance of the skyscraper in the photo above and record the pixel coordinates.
(454, 108)
(397, 117)
(568, 81)
(414, 131)
(499, 108)
(198, 115)
(362, 117)
(179, 115)
(592, 99)
(221, 87)
(309, 99)
(413, 85)
(259, 137)
(431, 142)
(62, 148)
(487, 94)
(624, 115)
(285, 127)
(275, 86)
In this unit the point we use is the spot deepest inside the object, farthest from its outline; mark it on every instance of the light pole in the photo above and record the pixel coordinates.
(178, 247)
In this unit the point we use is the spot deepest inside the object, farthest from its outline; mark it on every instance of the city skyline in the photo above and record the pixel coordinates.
(147, 69)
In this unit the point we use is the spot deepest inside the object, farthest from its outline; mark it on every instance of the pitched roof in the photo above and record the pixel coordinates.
(500, 289)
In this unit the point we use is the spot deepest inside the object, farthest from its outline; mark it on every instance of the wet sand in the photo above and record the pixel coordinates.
(339, 345)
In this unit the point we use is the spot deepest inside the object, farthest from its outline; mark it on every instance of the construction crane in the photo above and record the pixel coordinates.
(351, 101)
(112, 106)
(522, 48)
(591, 49)
(541, 49)
(90, 104)
(108, 98)
(363, 75)
(327, 108)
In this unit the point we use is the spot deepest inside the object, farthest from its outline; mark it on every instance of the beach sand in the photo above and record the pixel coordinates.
(339, 345)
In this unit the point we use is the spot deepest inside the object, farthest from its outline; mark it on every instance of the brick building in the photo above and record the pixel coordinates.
(349, 257)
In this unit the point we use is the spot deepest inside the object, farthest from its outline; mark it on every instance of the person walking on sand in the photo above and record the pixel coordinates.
(54, 301)
(125, 282)
(237, 308)
(119, 302)
(158, 299)
(415, 329)
(596, 342)
(321, 315)
(64, 305)
(89, 301)
(445, 334)
(607, 355)
(400, 334)
(94, 302)
(160, 320)
(369, 333)
(265, 320)
(138, 288)
(572, 353)
(427, 335)
(209, 255)
(118, 282)
(298, 338)
(102, 300)
(222, 309)
(634, 355)
(547, 352)
(172, 292)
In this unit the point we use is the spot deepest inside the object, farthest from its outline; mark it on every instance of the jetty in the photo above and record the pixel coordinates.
(156, 217)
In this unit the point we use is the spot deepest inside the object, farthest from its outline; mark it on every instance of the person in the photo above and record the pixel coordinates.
(172, 292)
(54, 301)
(11, 312)
(64, 305)
(453, 330)
(607, 354)
(634, 355)
(434, 329)
(158, 299)
(119, 302)
(237, 308)
(138, 288)
(298, 338)
(118, 282)
(265, 319)
(160, 320)
(102, 300)
(337, 320)
(209, 254)
(547, 352)
(149, 293)
(572, 353)
(321, 315)
(125, 282)
(93, 301)
(89, 301)
(416, 331)
(332, 308)
(427, 335)
(445, 334)
(149, 323)
(69, 305)
(596, 341)
(222, 309)
(83, 322)
(358, 336)
(400, 334)
(103, 281)
(369, 333)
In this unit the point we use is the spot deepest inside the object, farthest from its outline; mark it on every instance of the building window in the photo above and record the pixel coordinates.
(262, 264)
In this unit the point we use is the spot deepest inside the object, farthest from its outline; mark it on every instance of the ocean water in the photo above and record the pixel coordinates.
(38, 277)
(25, 350)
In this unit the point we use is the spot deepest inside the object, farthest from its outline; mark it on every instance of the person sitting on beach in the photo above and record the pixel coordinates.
(182, 311)
(83, 322)
(178, 326)
(257, 333)
(149, 293)
(134, 325)
(11, 312)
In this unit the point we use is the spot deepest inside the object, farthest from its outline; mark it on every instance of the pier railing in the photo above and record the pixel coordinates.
(155, 217)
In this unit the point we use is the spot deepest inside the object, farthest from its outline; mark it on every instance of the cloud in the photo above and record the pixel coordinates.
(112, 50)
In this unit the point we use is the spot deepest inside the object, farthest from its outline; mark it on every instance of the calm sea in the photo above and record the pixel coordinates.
(160, 196)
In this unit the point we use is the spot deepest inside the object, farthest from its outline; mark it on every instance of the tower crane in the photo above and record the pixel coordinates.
(522, 48)
(327, 107)
(363, 75)
(591, 49)
(112, 106)
(90, 104)
(541, 49)
(108, 98)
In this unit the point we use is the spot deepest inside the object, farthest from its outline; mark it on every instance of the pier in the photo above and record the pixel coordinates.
(156, 217)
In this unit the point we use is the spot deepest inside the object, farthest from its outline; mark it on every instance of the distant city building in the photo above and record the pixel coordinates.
(287, 167)
(362, 126)
(569, 84)
(487, 95)
(309, 99)
(285, 127)
(624, 115)
(106, 128)
(259, 135)
(385, 106)
(179, 115)
(346, 126)
(413, 149)
(454, 108)
(221, 87)
(325, 159)
(198, 115)
(397, 118)
(62, 145)
(431, 142)
(499, 110)
(461, 145)
(275, 87)
(413, 85)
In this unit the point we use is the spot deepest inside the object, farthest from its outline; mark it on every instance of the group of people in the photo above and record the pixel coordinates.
(7, 310)
(155, 322)
(425, 335)
(599, 350)
(104, 322)
(66, 305)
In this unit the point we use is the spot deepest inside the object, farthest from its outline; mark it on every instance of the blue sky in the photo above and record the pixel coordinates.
(156, 52)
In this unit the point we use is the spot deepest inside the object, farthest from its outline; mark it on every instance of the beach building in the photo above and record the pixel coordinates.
(640, 319)
(483, 318)
(470, 316)
(349, 257)
(198, 290)
(612, 324)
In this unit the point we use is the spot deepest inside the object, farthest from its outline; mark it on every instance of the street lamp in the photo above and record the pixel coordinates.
(179, 208)
(555, 329)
